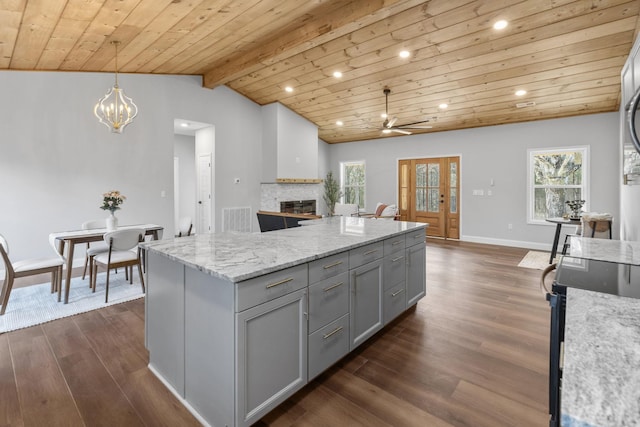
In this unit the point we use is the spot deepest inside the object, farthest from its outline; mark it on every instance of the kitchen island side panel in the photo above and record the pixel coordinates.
(210, 346)
(165, 319)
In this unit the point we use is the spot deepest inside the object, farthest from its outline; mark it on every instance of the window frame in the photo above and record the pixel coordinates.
(585, 186)
(343, 165)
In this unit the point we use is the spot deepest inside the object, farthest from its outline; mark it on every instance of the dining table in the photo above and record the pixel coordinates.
(559, 221)
(69, 239)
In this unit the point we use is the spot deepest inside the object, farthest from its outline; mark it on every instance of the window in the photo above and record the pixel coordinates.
(555, 177)
(352, 182)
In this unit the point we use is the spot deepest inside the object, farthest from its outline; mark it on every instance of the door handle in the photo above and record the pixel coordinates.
(199, 202)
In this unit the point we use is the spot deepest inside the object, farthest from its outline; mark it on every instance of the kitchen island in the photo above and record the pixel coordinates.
(238, 322)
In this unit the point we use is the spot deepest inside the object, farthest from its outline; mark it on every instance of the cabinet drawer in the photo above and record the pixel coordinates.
(415, 237)
(394, 270)
(394, 244)
(328, 345)
(328, 300)
(395, 302)
(265, 288)
(365, 254)
(328, 267)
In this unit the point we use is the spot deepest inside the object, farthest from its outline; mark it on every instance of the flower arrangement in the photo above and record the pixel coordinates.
(575, 206)
(112, 200)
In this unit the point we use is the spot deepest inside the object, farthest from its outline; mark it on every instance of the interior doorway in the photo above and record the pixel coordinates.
(429, 191)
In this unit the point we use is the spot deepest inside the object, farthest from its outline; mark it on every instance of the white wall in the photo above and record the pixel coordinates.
(56, 159)
(290, 140)
(498, 153)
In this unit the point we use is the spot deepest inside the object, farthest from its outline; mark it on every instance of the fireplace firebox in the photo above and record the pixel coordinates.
(299, 207)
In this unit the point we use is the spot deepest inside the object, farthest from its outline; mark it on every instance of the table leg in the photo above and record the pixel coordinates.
(554, 248)
(67, 284)
(61, 252)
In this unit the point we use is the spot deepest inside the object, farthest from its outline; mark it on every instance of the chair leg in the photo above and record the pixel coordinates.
(93, 272)
(141, 277)
(59, 282)
(106, 292)
(6, 291)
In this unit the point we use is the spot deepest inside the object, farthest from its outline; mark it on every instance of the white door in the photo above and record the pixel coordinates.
(204, 193)
(176, 192)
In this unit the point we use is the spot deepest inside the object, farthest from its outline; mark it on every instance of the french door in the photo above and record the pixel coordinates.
(429, 191)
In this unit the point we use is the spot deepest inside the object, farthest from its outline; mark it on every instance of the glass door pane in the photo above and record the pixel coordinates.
(453, 190)
(433, 187)
(421, 187)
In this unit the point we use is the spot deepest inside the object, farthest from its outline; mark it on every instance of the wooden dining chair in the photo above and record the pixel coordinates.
(123, 252)
(28, 267)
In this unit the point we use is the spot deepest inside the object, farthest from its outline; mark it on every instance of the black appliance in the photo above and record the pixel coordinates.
(591, 275)
(634, 122)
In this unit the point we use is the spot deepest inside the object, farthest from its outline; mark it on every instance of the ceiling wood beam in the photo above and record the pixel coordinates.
(327, 22)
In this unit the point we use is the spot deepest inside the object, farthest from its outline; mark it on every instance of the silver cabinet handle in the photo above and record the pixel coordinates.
(419, 236)
(373, 251)
(397, 293)
(397, 242)
(335, 331)
(281, 282)
(333, 286)
(397, 259)
(332, 265)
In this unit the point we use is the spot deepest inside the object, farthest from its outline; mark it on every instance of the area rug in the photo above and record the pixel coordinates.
(33, 305)
(536, 260)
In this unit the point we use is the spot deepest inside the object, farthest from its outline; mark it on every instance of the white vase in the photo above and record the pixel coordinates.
(112, 222)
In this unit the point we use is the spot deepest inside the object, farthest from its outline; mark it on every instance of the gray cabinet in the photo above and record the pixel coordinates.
(328, 312)
(271, 349)
(416, 273)
(394, 297)
(365, 284)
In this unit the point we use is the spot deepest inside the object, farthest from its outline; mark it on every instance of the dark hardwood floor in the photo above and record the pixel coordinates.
(473, 353)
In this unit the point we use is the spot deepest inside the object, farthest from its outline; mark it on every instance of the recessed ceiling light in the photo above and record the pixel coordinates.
(404, 54)
(337, 74)
(386, 131)
(521, 92)
(184, 125)
(339, 123)
(443, 106)
(500, 25)
(288, 89)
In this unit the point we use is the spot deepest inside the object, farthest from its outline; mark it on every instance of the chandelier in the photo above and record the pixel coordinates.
(115, 110)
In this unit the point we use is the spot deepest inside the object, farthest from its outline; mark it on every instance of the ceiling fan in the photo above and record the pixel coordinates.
(389, 126)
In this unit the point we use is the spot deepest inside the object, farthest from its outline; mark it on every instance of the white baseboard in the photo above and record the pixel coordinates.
(505, 242)
(179, 397)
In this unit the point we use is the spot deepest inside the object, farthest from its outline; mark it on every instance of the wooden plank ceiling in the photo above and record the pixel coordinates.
(566, 54)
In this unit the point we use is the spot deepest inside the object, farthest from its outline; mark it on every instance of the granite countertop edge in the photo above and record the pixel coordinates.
(236, 256)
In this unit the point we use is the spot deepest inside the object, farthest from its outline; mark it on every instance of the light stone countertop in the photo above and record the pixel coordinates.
(238, 256)
(601, 372)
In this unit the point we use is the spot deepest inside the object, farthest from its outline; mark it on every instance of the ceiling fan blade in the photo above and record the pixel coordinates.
(404, 132)
(415, 127)
(415, 123)
(391, 122)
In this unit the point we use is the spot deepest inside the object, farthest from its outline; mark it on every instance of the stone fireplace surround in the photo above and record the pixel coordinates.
(271, 194)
